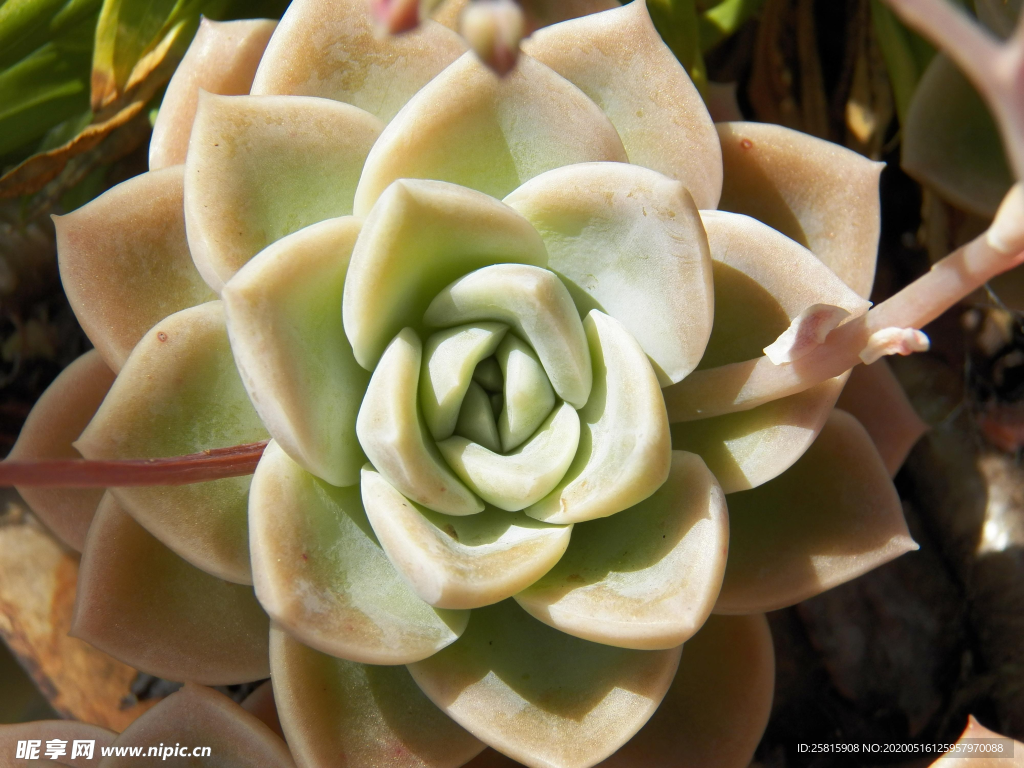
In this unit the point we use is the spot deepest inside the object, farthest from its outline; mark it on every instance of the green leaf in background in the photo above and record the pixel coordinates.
(951, 143)
(724, 20)
(906, 55)
(677, 23)
(1000, 16)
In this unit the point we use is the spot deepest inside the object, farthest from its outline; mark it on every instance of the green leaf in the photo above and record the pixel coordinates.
(724, 20)
(677, 23)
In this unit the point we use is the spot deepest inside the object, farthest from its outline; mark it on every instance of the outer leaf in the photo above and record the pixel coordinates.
(396, 439)
(537, 306)
(180, 393)
(718, 705)
(821, 195)
(45, 730)
(321, 574)
(199, 716)
(508, 130)
(329, 48)
(222, 59)
(624, 452)
(261, 168)
(541, 696)
(285, 327)
(362, 716)
(460, 562)
(831, 517)
(748, 448)
(125, 263)
(619, 60)
(646, 578)
(518, 479)
(950, 141)
(56, 421)
(420, 237)
(598, 221)
(150, 609)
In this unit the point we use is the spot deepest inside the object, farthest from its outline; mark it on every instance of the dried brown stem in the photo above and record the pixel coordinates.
(213, 464)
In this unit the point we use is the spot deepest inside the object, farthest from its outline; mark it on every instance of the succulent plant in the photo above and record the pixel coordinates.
(548, 365)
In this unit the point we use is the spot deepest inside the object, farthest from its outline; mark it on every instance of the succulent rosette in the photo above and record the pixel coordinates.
(460, 307)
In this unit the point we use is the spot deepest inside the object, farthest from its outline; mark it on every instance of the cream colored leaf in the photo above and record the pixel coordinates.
(646, 578)
(125, 263)
(518, 479)
(180, 393)
(820, 194)
(55, 422)
(507, 131)
(619, 60)
(600, 223)
(369, 716)
(144, 605)
(284, 322)
(395, 439)
(541, 696)
(829, 518)
(322, 576)
(420, 237)
(540, 310)
(329, 48)
(460, 562)
(222, 58)
(260, 168)
(624, 451)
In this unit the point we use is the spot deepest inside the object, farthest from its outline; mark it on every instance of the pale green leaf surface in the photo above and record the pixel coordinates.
(260, 168)
(476, 419)
(624, 450)
(460, 562)
(541, 696)
(648, 577)
(528, 397)
(283, 311)
(365, 715)
(322, 576)
(180, 393)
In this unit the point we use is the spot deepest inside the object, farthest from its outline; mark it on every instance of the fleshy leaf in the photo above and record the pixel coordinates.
(322, 576)
(820, 194)
(460, 562)
(762, 280)
(527, 398)
(420, 236)
(222, 58)
(518, 479)
(717, 708)
(284, 322)
(336, 712)
(875, 398)
(198, 716)
(149, 608)
(395, 437)
(951, 142)
(261, 704)
(537, 306)
(748, 448)
(829, 518)
(508, 130)
(125, 263)
(180, 393)
(476, 419)
(450, 358)
(619, 60)
(45, 730)
(329, 48)
(541, 696)
(624, 451)
(261, 168)
(599, 221)
(56, 421)
(646, 578)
